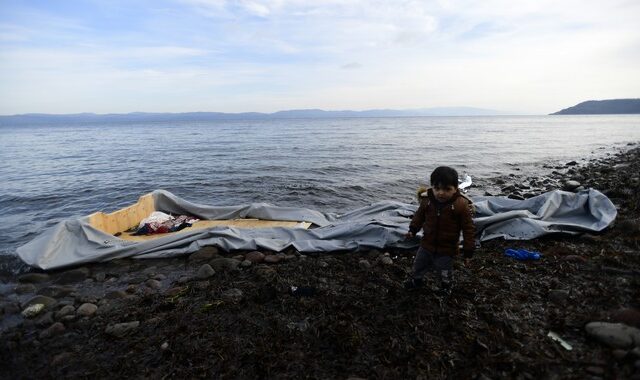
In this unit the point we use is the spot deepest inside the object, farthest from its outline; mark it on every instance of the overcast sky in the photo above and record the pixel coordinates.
(104, 56)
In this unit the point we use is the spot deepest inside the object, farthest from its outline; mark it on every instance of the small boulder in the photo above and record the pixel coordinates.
(255, 257)
(570, 185)
(73, 275)
(205, 271)
(364, 264)
(615, 335)
(48, 302)
(87, 310)
(273, 259)
(33, 310)
(25, 288)
(33, 278)
(56, 291)
(204, 254)
(153, 284)
(116, 294)
(224, 264)
(246, 263)
(386, 260)
(122, 329)
(55, 329)
(66, 310)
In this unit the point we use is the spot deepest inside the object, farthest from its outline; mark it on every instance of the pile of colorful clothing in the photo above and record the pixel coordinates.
(161, 223)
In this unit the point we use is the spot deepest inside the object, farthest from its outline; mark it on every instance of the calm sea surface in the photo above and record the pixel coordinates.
(49, 173)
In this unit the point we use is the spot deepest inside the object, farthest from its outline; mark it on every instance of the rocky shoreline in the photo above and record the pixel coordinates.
(573, 314)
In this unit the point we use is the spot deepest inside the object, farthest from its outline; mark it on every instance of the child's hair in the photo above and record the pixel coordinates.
(444, 176)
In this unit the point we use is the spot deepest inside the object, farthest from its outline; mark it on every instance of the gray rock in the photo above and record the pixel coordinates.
(204, 254)
(364, 264)
(176, 291)
(570, 185)
(131, 289)
(255, 257)
(134, 280)
(33, 310)
(55, 329)
(233, 295)
(73, 275)
(33, 278)
(615, 335)
(56, 291)
(100, 276)
(122, 329)
(44, 320)
(386, 260)
(116, 294)
(66, 310)
(153, 284)
(87, 310)
(273, 259)
(25, 288)
(323, 264)
(224, 264)
(205, 271)
(160, 277)
(48, 302)
(246, 263)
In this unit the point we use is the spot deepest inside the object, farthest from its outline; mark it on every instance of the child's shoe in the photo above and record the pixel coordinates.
(413, 283)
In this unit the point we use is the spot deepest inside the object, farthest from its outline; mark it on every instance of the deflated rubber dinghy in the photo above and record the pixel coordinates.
(102, 237)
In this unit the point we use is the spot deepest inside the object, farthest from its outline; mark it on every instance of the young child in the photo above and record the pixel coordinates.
(442, 214)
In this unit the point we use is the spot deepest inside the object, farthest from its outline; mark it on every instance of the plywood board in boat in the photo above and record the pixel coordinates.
(237, 223)
(125, 218)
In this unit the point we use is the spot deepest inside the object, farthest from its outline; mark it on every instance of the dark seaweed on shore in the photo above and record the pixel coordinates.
(344, 315)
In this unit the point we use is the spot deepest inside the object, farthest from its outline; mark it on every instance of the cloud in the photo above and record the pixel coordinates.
(351, 65)
(251, 55)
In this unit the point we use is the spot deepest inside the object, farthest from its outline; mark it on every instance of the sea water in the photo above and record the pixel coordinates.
(52, 172)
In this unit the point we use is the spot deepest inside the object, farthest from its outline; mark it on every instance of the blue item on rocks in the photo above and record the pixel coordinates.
(522, 254)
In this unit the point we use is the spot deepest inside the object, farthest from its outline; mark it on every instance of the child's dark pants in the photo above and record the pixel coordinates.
(427, 262)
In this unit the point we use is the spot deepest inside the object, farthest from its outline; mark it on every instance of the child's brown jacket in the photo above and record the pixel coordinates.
(442, 223)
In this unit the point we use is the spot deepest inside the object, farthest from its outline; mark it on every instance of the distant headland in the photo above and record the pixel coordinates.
(603, 107)
(41, 118)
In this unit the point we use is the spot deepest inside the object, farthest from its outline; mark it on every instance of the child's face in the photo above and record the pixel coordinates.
(444, 193)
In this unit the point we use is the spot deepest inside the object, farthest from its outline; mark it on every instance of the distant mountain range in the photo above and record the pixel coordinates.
(39, 118)
(600, 107)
